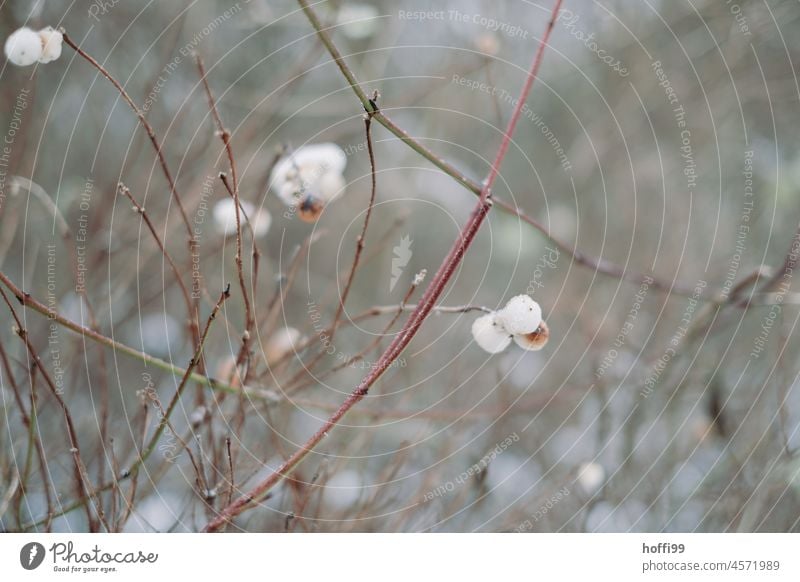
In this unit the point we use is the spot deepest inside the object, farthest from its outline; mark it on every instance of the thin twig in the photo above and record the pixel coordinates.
(69, 241)
(143, 120)
(81, 477)
(398, 311)
(187, 374)
(34, 441)
(225, 136)
(285, 280)
(789, 263)
(28, 301)
(231, 485)
(367, 214)
(125, 191)
(310, 365)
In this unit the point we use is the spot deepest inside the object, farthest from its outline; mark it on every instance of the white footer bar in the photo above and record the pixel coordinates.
(355, 557)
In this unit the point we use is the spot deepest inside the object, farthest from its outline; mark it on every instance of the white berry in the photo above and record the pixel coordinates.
(521, 315)
(330, 185)
(225, 217)
(591, 477)
(312, 170)
(489, 334)
(23, 47)
(52, 40)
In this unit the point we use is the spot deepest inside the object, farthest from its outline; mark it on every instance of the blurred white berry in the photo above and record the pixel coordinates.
(197, 416)
(330, 185)
(52, 40)
(313, 170)
(227, 371)
(489, 334)
(521, 315)
(282, 342)
(357, 20)
(591, 477)
(535, 340)
(225, 217)
(23, 47)
(488, 44)
(343, 490)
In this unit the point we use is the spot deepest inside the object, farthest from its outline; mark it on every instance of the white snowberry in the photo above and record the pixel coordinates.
(52, 40)
(521, 315)
(591, 477)
(489, 334)
(310, 171)
(23, 47)
(225, 217)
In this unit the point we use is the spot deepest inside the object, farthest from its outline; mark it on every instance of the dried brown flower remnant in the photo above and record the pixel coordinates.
(535, 340)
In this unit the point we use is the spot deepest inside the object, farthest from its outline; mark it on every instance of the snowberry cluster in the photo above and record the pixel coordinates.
(310, 178)
(520, 320)
(25, 46)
